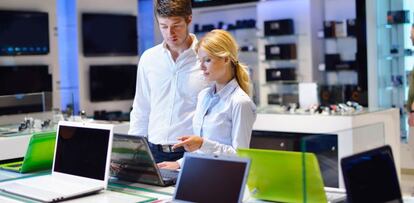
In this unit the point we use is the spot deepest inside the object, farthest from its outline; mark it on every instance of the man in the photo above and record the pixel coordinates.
(168, 82)
(410, 102)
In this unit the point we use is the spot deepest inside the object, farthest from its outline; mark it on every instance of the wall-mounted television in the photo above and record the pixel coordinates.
(24, 33)
(25, 79)
(112, 82)
(206, 3)
(109, 34)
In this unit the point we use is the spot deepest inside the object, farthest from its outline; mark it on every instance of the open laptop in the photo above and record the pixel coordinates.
(132, 161)
(80, 165)
(280, 176)
(39, 154)
(371, 176)
(211, 178)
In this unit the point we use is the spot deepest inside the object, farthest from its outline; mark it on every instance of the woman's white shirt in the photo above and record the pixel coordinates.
(224, 119)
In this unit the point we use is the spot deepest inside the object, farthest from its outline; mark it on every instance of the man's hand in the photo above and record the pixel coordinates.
(190, 143)
(411, 119)
(171, 165)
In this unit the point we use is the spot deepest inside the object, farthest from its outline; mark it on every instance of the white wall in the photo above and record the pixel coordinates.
(108, 6)
(50, 59)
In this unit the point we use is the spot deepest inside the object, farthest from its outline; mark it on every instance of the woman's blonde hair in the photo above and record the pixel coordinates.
(220, 43)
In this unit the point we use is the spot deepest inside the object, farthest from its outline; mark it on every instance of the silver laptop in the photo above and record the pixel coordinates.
(132, 161)
(212, 178)
(80, 165)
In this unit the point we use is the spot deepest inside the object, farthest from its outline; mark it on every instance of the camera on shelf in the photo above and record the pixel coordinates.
(398, 17)
(240, 24)
(280, 52)
(279, 27)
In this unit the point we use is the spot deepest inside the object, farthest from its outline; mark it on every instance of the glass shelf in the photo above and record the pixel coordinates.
(281, 82)
(280, 61)
(390, 26)
(232, 30)
(338, 38)
(278, 37)
(396, 56)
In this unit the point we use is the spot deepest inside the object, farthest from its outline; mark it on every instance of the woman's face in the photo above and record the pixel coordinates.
(214, 68)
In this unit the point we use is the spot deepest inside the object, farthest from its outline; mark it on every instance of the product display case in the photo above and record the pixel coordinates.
(394, 56)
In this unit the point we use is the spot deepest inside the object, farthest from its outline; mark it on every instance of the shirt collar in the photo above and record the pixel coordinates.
(226, 91)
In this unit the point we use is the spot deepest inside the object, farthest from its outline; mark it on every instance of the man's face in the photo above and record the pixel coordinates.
(174, 30)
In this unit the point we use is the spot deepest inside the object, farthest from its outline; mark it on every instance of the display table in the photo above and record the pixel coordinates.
(116, 192)
(355, 132)
(13, 144)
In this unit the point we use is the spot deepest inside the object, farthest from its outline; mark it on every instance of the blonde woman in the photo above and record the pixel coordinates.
(225, 114)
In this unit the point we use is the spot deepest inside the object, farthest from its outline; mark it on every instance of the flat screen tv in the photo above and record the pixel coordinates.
(109, 34)
(25, 79)
(112, 82)
(24, 33)
(205, 3)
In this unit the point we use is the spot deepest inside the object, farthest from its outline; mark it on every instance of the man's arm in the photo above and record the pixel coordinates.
(141, 107)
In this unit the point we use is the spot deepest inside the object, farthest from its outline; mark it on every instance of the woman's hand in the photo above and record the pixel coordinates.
(171, 165)
(190, 143)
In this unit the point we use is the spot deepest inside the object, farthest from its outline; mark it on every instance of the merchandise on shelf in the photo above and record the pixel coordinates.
(279, 27)
(280, 52)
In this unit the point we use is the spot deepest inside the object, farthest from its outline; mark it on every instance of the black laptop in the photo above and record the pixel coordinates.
(371, 176)
(132, 161)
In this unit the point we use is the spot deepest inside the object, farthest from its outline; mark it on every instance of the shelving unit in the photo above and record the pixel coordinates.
(393, 66)
(305, 15)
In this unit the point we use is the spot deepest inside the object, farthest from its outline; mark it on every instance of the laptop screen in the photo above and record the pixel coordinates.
(371, 176)
(214, 179)
(131, 160)
(82, 151)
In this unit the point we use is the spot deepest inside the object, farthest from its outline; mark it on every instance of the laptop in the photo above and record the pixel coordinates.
(80, 165)
(211, 178)
(132, 161)
(280, 176)
(39, 154)
(371, 176)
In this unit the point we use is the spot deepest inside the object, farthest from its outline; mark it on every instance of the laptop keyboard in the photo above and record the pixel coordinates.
(51, 184)
(15, 165)
(168, 174)
(335, 196)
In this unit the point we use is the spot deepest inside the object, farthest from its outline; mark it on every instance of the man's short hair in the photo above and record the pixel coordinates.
(172, 8)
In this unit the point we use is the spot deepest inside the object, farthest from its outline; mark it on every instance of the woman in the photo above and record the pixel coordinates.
(225, 114)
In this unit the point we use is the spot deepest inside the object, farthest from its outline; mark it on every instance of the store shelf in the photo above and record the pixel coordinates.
(281, 36)
(339, 38)
(281, 82)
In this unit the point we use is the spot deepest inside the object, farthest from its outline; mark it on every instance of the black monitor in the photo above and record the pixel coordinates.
(24, 33)
(112, 82)
(205, 3)
(371, 176)
(109, 34)
(25, 79)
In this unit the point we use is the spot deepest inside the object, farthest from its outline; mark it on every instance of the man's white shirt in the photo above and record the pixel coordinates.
(166, 94)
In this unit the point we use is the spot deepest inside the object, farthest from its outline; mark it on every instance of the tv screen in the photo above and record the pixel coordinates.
(24, 33)
(205, 3)
(25, 79)
(109, 35)
(112, 82)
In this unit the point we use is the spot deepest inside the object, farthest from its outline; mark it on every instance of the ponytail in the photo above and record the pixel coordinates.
(242, 76)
